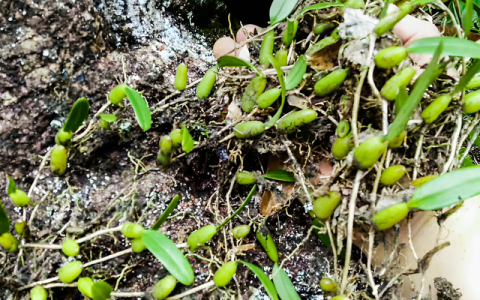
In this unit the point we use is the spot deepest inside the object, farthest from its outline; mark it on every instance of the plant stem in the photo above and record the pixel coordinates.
(97, 233)
(43, 246)
(417, 156)
(351, 217)
(469, 145)
(453, 151)
(38, 283)
(93, 262)
(192, 291)
(247, 200)
(127, 294)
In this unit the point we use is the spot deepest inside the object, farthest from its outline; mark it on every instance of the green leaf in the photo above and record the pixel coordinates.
(281, 78)
(465, 79)
(166, 213)
(467, 162)
(245, 202)
(469, 17)
(78, 114)
(280, 9)
(327, 41)
(284, 285)
(421, 84)
(140, 107)
(101, 290)
(383, 13)
(232, 61)
(448, 189)
(295, 75)
(11, 186)
(168, 254)
(108, 118)
(266, 282)
(401, 99)
(318, 6)
(281, 175)
(421, 2)
(4, 220)
(452, 46)
(321, 236)
(187, 140)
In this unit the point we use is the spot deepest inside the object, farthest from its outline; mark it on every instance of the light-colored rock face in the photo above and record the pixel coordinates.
(458, 263)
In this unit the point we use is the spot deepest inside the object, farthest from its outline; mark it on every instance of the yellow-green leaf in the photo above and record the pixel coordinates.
(78, 114)
(140, 107)
(280, 9)
(283, 284)
(448, 189)
(232, 61)
(101, 290)
(187, 140)
(296, 73)
(318, 6)
(281, 78)
(281, 175)
(168, 254)
(11, 186)
(266, 282)
(4, 220)
(108, 118)
(452, 46)
(433, 70)
(166, 213)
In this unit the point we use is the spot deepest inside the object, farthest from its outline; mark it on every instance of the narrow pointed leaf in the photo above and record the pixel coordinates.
(232, 61)
(452, 46)
(108, 118)
(187, 140)
(284, 285)
(266, 282)
(421, 84)
(318, 6)
(78, 114)
(448, 189)
(401, 99)
(467, 22)
(4, 220)
(140, 107)
(168, 254)
(465, 79)
(281, 175)
(245, 202)
(322, 236)
(327, 41)
(281, 78)
(280, 9)
(11, 186)
(296, 73)
(101, 290)
(166, 213)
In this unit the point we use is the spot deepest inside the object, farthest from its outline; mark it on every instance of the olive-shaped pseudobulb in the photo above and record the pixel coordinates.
(331, 82)
(164, 287)
(225, 274)
(132, 230)
(248, 130)
(38, 293)
(70, 248)
(201, 236)
(58, 160)
(85, 286)
(244, 177)
(240, 231)
(390, 57)
(392, 175)
(181, 78)
(368, 152)
(69, 272)
(293, 121)
(117, 94)
(390, 216)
